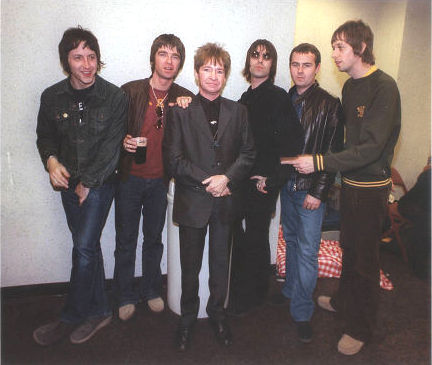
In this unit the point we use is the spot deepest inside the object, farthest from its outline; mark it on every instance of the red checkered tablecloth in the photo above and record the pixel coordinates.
(329, 261)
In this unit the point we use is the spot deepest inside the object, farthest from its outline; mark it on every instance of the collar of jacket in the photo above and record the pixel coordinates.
(305, 94)
(98, 91)
(258, 90)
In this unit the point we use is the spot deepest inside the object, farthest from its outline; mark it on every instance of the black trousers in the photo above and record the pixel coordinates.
(250, 265)
(363, 211)
(192, 242)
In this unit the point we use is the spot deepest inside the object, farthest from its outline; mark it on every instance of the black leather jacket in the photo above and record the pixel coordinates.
(321, 118)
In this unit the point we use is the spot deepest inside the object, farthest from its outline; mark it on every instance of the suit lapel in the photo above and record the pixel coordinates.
(224, 118)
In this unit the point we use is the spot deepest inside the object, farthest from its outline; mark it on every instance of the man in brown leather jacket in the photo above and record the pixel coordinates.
(303, 196)
(143, 187)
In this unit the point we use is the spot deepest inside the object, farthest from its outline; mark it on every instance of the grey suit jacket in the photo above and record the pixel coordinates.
(191, 154)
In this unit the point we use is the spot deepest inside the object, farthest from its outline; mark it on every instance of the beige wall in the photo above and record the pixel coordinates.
(414, 81)
(402, 49)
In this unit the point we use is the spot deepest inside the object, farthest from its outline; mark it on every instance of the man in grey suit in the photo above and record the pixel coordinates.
(208, 149)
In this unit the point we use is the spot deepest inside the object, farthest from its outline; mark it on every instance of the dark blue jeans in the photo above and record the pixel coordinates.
(302, 234)
(87, 297)
(134, 197)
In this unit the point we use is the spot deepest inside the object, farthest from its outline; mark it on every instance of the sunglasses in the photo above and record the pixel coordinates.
(159, 113)
(256, 55)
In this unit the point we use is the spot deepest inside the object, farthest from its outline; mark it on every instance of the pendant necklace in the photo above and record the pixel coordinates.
(159, 101)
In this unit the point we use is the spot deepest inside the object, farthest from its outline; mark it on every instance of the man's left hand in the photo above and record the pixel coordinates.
(260, 183)
(82, 193)
(303, 164)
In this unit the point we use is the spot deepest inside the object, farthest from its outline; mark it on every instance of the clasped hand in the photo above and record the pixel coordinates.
(217, 185)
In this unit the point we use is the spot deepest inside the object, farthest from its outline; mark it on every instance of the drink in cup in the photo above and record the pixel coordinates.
(141, 151)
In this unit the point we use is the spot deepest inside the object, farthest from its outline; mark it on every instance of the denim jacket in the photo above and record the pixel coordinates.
(86, 142)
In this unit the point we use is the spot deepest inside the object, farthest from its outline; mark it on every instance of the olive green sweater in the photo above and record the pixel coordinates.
(372, 111)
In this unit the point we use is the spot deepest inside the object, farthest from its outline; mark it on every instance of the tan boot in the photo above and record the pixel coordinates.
(156, 304)
(324, 303)
(348, 345)
(126, 311)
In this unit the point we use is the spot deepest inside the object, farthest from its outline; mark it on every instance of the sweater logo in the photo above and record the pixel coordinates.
(360, 111)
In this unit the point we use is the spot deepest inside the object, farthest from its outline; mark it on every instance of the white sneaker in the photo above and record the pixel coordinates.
(156, 304)
(348, 345)
(126, 311)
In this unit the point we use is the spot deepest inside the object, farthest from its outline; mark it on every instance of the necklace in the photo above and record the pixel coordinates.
(159, 101)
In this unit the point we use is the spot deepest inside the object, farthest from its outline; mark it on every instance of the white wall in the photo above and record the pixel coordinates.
(35, 241)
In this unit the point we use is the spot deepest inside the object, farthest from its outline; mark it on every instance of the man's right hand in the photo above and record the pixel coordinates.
(183, 101)
(59, 176)
(129, 144)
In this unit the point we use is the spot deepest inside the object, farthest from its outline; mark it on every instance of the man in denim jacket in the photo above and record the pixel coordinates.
(81, 123)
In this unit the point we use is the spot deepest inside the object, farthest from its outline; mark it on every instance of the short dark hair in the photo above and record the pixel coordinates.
(356, 32)
(271, 50)
(170, 41)
(215, 53)
(304, 48)
(72, 37)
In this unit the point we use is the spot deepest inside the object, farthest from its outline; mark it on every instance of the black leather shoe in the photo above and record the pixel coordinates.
(278, 300)
(222, 332)
(183, 338)
(240, 312)
(304, 332)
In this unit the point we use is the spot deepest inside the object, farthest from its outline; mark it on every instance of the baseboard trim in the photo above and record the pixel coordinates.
(46, 289)
(34, 290)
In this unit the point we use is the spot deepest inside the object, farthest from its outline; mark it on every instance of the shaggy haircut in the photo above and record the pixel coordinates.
(270, 49)
(215, 54)
(170, 41)
(72, 37)
(355, 33)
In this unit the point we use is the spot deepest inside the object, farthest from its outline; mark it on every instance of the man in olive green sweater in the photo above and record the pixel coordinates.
(371, 104)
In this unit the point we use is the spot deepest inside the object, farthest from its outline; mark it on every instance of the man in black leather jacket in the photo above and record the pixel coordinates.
(372, 118)
(303, 196)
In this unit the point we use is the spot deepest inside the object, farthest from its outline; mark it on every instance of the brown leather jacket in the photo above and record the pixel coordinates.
(138, 94)
(323, 127)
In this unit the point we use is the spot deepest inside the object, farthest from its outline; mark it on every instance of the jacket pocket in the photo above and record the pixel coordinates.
(63, 120)
(99, 120)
